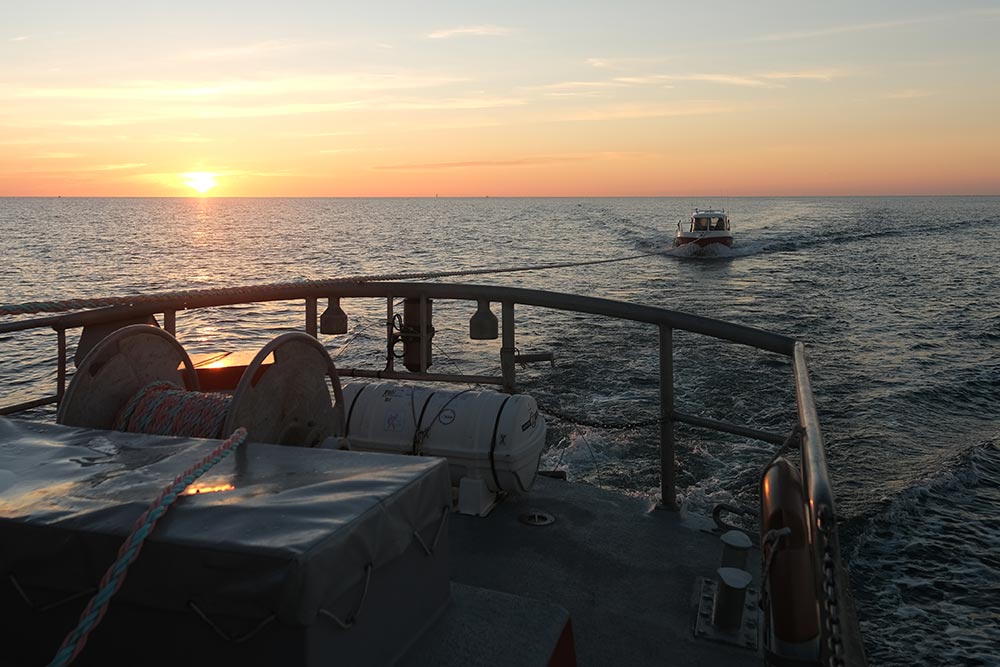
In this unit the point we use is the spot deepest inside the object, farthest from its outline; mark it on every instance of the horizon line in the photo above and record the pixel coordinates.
(701, 196)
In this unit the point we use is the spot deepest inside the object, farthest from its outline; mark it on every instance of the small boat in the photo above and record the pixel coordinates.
(706, 227)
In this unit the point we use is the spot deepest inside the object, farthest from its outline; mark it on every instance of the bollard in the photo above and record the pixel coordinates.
(727, 610)
(735, 549)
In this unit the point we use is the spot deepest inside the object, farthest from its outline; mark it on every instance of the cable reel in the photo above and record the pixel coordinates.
(286, 402)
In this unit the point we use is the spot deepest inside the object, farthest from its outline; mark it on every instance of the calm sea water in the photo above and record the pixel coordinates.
(897, 299)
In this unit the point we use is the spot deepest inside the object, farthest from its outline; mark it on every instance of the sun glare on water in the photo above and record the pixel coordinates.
(202, 181)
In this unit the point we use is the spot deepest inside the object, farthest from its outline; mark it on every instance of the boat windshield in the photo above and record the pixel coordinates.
(709, 223)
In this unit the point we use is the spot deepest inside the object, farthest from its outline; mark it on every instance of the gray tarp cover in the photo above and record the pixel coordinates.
(295, 533)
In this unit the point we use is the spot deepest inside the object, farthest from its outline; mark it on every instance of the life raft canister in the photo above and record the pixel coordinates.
(485, 435)
(794, 608)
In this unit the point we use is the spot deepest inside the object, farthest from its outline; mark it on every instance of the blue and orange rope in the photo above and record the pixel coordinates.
(159, 408)
(163, 408)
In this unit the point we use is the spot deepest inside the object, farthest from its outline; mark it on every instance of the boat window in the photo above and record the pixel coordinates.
(701, 224)
(718, 223)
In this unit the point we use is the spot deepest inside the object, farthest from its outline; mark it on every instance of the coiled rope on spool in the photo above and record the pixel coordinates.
(33, 307)
(158, 408)
(163, 408)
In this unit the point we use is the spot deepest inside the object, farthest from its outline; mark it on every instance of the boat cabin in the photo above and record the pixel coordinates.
(706, 227)
(709, 221)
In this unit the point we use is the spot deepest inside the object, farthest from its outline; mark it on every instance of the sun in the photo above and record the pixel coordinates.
(202, 181)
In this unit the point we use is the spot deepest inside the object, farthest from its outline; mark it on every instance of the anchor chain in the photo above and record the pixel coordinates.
(834, 641)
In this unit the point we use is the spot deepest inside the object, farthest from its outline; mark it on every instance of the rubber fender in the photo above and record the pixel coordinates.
(794, 607)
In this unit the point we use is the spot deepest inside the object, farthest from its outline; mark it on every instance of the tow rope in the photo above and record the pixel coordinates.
(34, 307)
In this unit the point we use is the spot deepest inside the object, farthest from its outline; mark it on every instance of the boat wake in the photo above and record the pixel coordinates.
(771, 238)
(711, 251)
(925, 566)
(760, 245)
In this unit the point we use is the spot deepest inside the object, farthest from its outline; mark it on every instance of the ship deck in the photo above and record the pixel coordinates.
(625, 572)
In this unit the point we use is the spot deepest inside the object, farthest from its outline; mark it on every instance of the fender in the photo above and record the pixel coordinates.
(794, 609)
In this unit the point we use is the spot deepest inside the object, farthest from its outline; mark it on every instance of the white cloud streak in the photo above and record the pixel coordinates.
(811, 75)
(725, 79)
(763, 80)
(473, 30)
(115, 167)
(523, 161)
(161, 90)
(632, 111)
(908, 94)
(846, 29)
(253, 50)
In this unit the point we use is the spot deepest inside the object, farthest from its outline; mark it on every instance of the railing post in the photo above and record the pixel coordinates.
(507, 349)
(390, 359)
(423, 334)
(668, 493)
(170, 322)
(61, 371)
(311, 315)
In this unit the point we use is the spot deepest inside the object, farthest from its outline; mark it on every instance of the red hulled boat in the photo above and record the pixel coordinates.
(706, 227)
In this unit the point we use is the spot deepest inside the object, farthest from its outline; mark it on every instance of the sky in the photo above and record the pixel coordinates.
(539, 98)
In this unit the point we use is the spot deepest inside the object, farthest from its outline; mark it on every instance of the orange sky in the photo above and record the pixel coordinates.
(560, 100)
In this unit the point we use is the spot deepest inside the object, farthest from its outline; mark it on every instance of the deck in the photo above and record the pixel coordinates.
(625, 572)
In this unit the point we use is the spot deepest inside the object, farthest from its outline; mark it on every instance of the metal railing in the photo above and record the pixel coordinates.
(665, 320)
(840, 634)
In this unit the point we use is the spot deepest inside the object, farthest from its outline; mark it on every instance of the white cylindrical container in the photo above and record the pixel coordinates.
(484, 434)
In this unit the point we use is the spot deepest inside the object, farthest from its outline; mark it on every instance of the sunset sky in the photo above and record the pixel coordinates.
(540, 98)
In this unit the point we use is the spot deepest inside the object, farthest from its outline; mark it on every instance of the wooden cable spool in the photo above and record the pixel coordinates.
(287, 402)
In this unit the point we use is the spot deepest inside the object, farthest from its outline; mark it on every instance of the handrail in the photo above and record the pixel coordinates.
(843, 644)
(841, 635)
(814, 471)
(736, 333)
(665, 320)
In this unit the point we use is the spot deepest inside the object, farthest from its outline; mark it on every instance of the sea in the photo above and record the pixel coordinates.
(896, 298)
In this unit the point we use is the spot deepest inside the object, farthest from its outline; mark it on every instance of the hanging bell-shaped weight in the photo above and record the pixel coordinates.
(334, 319)
(483, 325)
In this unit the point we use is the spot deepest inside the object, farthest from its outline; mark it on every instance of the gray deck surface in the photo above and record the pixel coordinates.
(625, 572)
(484, 627)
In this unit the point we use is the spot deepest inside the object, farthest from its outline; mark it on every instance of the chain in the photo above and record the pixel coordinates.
(833, 642)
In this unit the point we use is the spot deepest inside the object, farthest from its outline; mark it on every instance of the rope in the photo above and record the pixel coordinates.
(769, 545)
(163, 408)
(793, 441)
(420, 434)
(493, 446)
(33, 307)
(160, 408)
(594, 423)
(129, 551)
